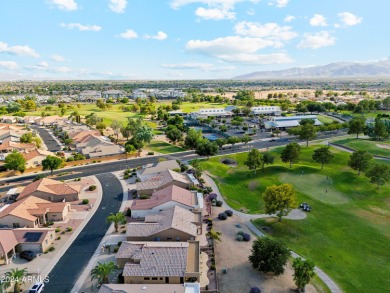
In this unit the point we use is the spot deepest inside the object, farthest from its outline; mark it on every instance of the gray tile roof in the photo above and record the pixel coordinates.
(160, 167)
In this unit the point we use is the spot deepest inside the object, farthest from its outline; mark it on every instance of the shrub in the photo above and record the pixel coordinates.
(212, 267)
(240, 233)
(116, 248)
(85, 201)
(150, 153)
(178, 170)
(137, 180)
(144, 196)
(57, 230)
(128, 213)
(218, 203)
(119, 243)
(51, 248)
(222, 216)
(69, 229)
(255, 290)
(92, 188)
(229, 213)
(240, 238)
(63, 232)
(212, 196)
(126, 176)
(59, 238)
(246, 237)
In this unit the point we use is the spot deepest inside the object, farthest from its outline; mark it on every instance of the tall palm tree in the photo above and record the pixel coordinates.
(17, 277)
(116, 219)
(102, 270)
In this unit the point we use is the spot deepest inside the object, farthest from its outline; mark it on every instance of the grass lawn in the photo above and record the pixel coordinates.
(164, 147)
(347, 234)
(377, 148)
(325, 119)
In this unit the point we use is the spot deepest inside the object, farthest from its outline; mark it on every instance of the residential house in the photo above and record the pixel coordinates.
(174, 224)
(38, 240)
(31, 212)
(149, 170)
(51, 190)
(8, 244)
(162, 180)
(9, 119)
(48, 120)
(165, 199)
(35, 157)
(89, 96)
(150, 288)
(159, 262)
(114, 94)
(10, 146)
(79, 136)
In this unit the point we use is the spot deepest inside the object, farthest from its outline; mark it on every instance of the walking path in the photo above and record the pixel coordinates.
(350, 150)
(294, 215)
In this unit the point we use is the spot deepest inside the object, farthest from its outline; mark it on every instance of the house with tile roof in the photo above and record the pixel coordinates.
(31, 212)
(159, 262)
(165, 199)
(35, 157)
(8, 244)
(51, 190)
(174, 224)
(150, 170)
(161, 180)
(150, 288)
(10, 146)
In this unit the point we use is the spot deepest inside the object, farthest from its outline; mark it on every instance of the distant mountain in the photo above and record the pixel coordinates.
(333, 70)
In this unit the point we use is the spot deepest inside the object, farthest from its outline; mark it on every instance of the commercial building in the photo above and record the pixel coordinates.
(289, 121)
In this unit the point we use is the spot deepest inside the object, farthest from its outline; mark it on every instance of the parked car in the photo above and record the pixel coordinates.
(37, 288)
(28, 255)
(304, 206)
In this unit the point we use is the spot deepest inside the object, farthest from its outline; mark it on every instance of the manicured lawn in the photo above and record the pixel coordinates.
(325, 119)
(376, 148)
(347, 234)
(164, 147)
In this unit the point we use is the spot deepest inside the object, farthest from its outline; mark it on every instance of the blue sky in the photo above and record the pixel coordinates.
(184, 39)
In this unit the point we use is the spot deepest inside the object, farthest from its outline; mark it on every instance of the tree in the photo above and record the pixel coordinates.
(307, 130)
(125, 132)
(254, 160)
(380, 131)
(17, 276)
(233, 140)
(116, 219)
(291, 153)
(386, 103)
(268, 159)
(245, 139)
(13, 107)
(215, 235)
(174, 134)
(322, 155)
(93, 119)
(206, 148)
(136, 143)
(116, 127)
(102, 271)
(193, 138)
(101, 104)
(279, 200)
(15, 161)
(357, 125)
(359, 160)
(269, 256)
(303, 272)
(26, 138)
(52, 163)
(68, 141)
(37, 141)
(144, 133)
(220, 142)
(378, 173)
(101, 126)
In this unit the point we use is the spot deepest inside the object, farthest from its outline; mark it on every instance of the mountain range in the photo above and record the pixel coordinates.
(333, 70)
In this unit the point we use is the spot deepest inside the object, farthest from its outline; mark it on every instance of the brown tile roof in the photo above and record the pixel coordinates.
(162, 178)
(81, 135)
(160, 167)
(10, 145)
(166, 194)
(176, 218)
(7, 241)
(49, 186)
(35, 153)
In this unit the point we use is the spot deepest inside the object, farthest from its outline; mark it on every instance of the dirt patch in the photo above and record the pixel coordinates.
(253, 185)
(229, 162)
(383, 146)
(233, 256)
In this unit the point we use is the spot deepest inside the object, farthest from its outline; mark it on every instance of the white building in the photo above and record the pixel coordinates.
(214, 112)
(266, 110)
(289, 121)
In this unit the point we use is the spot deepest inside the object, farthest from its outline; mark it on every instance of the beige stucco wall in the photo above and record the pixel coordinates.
(55, 198)
(164, 235)
(160, 280)
(10, 219)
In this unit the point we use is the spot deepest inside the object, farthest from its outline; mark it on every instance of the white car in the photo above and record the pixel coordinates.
(37, 288)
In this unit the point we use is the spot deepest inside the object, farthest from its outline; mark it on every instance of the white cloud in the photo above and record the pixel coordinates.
(254, 59)
(9, 65)
(318, 40)
(57, 58)
(160, 36)
(68, 5)
(81, 27)
(129, 34)
(198, 66)
(18, 50)
(279, 3)
(44, 66)
(62, 69)
(175, 4)
(349, 19)
(271, 31)
(318, 20)
(217, 13)
(118, 6)
(289, 18)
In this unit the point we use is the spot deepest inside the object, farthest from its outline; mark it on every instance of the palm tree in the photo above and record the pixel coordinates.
(17, 277)
(102, 270)
(116, 219)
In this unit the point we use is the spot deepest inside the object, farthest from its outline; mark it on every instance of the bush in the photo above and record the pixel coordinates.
(240, 238)
(229, 213)
(144, 196)
(150, 153)
(137, 180)
(85, 201)
(69, 229)
(212, 196)
(116, 248)
(51, 248)
(255, 290)
(246, 237)
(218, 203)
(92, 188)
(128, 213)
(59, 238)
(119, 243)
(222, 216)
(57, 230)
(126, 176)
(240, 233)
(212, 267)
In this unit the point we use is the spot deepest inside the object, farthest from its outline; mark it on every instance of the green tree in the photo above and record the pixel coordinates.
(15, 161)
(268, 159)
(254, 160)
(52, 163)
(303, 272)
(378, 173)
(193, 138)
(307, 130)
(245, 139)
(215, 235)
(322, 155)
(269, 256)
(233, 140)
(386, 103)
(380, 131)
(102, 271)
(207, 148)
(144, 133)
(26, 138)
(291, 153)
(93, 119)
(136, 143)
(174, 134)
(30, 105)
(37, 141)
(13, 107)
(125, 132)
(359, 160)
(68, 141)
(220, 142)
(116, 127)
(357, 125)
(279, 200)
(101, 126)
(118, 218)
(101, 104)
(17, 277)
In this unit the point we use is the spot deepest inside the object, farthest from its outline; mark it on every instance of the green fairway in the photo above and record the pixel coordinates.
(347, 234)
(375, 148)
(325, 119)
(164, 147)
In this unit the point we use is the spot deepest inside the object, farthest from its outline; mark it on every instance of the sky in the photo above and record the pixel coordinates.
(185, 39)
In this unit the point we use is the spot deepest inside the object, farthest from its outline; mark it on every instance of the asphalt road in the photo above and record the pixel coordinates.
(48, 139)
(67, 270)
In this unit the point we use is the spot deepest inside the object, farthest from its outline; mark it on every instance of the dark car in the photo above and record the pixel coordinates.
(28, 255)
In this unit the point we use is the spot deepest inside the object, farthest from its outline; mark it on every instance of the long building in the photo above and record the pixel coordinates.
(289, 121)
